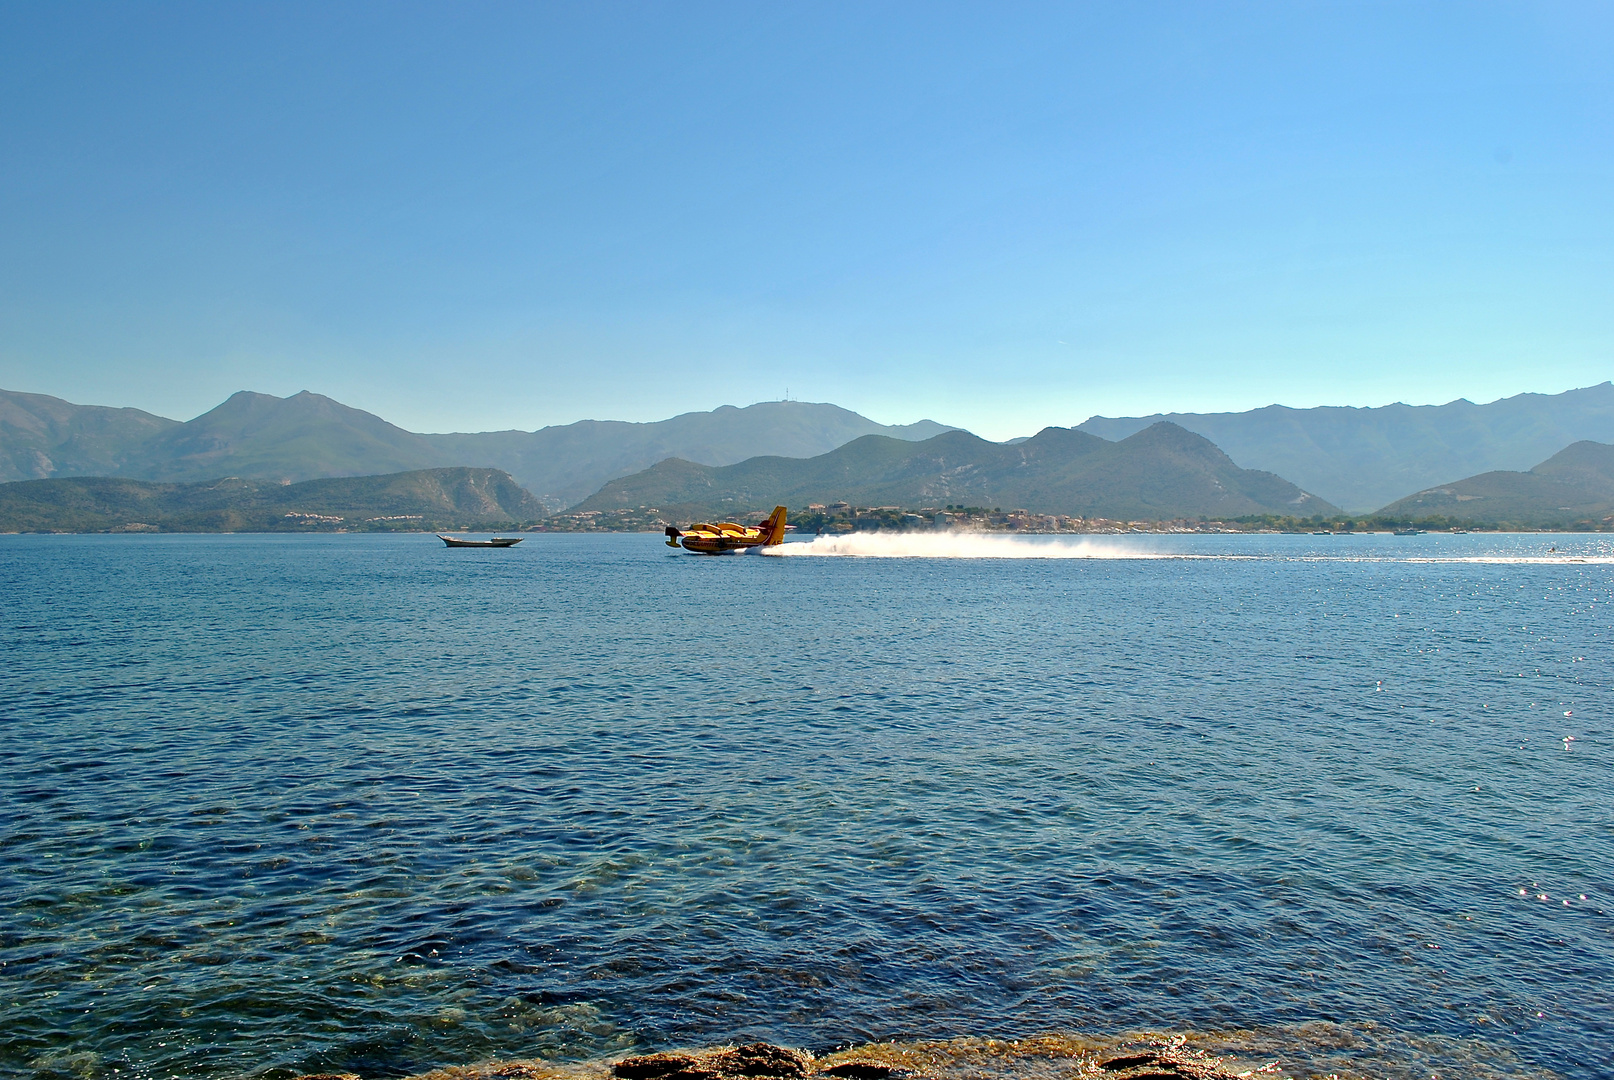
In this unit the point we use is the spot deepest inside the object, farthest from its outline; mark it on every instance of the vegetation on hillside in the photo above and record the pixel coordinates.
(816, 520)
(1573, 489)
(1161, 473)
(431, 499)
(1364, 458)
(42, 436)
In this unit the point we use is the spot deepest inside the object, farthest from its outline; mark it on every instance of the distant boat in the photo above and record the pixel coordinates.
(1409, 532)
(1322, 532)
(497, 541)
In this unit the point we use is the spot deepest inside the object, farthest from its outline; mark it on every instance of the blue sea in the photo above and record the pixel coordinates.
(282, 804)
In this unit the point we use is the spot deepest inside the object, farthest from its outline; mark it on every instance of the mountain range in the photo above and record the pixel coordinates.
(305, 436)
(1365, 458)
(565, 464)
(1573, 487)
(426, 499)
(1356, 458)
(1161, 472)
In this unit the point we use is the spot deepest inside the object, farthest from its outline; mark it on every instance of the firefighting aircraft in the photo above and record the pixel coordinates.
(716, 538)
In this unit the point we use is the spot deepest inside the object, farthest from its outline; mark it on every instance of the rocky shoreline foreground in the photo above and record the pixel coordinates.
(1331, 1052)
(1137, 1060)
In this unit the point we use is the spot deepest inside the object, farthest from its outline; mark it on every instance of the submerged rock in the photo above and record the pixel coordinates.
(1163, 1065)
(867, 1070)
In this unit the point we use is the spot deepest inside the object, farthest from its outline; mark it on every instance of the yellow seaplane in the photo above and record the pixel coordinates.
(718, 537)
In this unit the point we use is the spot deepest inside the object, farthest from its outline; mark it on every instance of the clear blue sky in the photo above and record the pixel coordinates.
(470, 216)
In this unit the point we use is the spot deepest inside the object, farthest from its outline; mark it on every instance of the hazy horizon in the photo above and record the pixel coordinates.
(734, 405)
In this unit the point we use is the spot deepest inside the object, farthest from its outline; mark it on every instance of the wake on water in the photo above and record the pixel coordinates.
(965, 545)
(958, 545)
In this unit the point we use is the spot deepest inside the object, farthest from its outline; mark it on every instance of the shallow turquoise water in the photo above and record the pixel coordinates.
(361, 802)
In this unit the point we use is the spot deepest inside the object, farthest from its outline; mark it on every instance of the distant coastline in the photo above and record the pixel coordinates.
(977, 519)
(485, 499)
(287, 515)
(308, 524)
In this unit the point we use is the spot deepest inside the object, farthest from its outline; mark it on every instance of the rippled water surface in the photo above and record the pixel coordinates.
(365, 803)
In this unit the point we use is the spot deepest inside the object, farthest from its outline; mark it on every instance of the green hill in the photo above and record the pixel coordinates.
(1161, 473)
(1573, 488)
(424, 499)
(42, 436)
(1362, 458)
(296, 438)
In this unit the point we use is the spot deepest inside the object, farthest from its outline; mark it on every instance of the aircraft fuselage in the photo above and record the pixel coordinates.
(722, 537)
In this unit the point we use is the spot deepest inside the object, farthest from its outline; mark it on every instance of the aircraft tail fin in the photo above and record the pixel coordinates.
(775, 526)
(672, 536)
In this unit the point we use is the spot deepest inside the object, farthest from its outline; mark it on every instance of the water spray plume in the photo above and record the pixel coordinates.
(962, 545)
(968, 545)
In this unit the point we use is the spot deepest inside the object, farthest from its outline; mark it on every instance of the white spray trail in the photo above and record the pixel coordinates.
(964, 545)
(968, 545)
